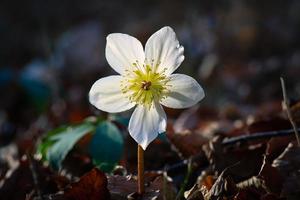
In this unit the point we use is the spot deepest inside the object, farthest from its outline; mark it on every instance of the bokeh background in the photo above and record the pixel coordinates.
(52, 51)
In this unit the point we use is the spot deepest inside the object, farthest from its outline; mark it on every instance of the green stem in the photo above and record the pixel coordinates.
(185, 181)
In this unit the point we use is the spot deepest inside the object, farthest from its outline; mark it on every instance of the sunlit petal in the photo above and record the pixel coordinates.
(106, 95)
(163, 51)
(122, 51)
(184, 92)
(145, 123)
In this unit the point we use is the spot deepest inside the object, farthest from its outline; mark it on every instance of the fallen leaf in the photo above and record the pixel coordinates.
(295, 111)
(188, 143)
(289, 161)
(223, 186)
(210, 188)
(45, 181)
(208, 182)
(260, 125)
(269, 124)
(271, 177)
(121, 187)
(91, 186)
(187, 120)
(252, 182)
(247, 194)
(271, 197)
(276, 145)
(194, 193)
(288, 164)
(245, 161)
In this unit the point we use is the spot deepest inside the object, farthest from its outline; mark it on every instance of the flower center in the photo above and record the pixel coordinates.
(143, 86)
(146, 85)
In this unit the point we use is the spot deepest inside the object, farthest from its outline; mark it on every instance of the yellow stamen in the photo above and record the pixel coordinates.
(143, 85)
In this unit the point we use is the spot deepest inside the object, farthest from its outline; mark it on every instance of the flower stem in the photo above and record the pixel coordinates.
(141, 184)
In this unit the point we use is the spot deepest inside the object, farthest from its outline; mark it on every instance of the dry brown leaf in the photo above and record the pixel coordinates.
(194, 193)
(188, 143)
(121, 187)
(246, 160)
(288, 164)
(289, 161)
(295, 111)
(251, 182)
(91, 186)
(223, 186)
(271, 197)
(273, 124)
(21, 177)
(211, 189)
(271, 177)
(247, 194)
(190, 118)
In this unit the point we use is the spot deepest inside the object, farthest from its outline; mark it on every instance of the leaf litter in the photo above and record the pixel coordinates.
(233, 155)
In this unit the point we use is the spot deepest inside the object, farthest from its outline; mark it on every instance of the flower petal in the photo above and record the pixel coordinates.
(184, 92)
(163, 51)
(145, 123)
(106, 95)
(122, 51)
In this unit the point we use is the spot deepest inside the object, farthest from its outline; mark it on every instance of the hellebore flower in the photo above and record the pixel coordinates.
(145, 81)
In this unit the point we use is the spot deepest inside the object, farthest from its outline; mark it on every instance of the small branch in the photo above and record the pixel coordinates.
(286, 107)
(141, 181)
(257, 136)
(233, 141)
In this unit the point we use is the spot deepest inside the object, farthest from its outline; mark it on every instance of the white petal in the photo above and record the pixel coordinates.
(184, 92)
(122, 51)
(164, 49)
(145, 124)
(106, 95)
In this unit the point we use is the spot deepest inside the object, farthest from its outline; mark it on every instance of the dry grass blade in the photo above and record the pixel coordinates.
(288, 111)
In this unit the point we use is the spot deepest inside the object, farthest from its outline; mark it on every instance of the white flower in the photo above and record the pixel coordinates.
(145, 81)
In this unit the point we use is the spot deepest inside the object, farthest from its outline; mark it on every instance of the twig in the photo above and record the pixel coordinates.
(234, 140)
(257, 136)
(288, 111)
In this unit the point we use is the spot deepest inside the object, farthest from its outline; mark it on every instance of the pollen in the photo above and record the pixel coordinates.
(143, 85)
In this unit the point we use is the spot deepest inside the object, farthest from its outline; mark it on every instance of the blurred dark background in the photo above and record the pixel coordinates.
(52, 51)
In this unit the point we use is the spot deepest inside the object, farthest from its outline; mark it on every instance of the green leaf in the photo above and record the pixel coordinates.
(46, 142)
(106, 146)
(64, 142)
